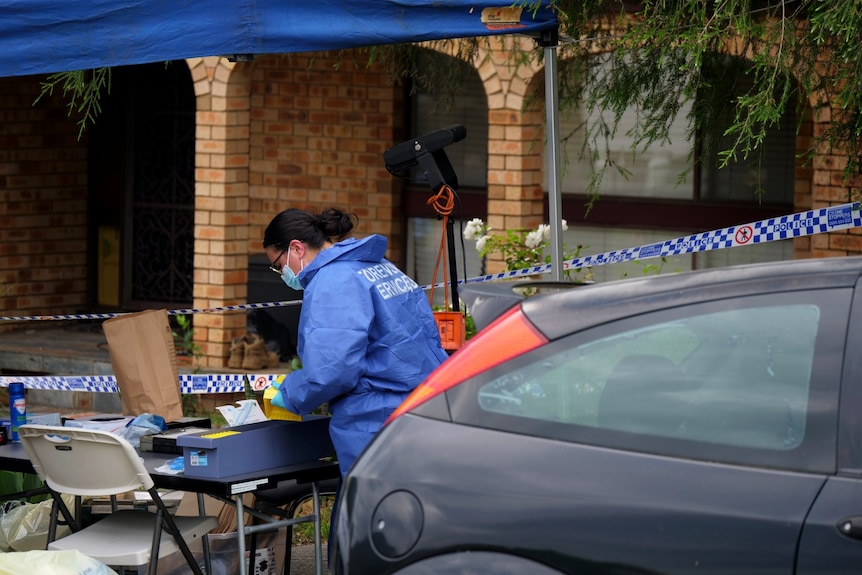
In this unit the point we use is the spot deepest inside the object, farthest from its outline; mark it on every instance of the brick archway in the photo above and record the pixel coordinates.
(516, 198)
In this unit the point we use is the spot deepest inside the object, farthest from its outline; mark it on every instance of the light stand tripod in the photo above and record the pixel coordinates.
(427, 152)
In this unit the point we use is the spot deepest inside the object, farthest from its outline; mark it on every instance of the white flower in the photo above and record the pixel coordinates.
(545, 229)
(480, 243)
(534, 238)
(474, 229)
(565, 225)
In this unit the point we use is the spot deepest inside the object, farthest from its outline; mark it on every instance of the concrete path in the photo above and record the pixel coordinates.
(302, 560)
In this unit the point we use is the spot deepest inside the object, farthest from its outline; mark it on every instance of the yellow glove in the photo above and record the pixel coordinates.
(273, 411)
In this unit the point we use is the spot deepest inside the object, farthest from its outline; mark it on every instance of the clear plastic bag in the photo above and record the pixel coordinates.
(41, 562)
(144, 424)
(224, 554)
(24, 526)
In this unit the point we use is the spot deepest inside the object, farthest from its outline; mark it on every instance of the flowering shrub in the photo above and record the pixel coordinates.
(520, 248)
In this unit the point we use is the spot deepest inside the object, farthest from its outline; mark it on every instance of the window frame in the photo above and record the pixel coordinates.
(850, 427)
(689, 215)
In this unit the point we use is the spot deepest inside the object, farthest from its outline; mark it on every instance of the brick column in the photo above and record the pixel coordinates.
(829, 189)
(515, 195)
(221, 202)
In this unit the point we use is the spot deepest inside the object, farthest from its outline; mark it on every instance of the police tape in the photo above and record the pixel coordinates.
(189, 383)
(791, 226)
(72, 316)
(796, 225)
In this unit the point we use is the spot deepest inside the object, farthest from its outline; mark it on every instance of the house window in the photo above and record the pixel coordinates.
(649, 206)
(653, 203)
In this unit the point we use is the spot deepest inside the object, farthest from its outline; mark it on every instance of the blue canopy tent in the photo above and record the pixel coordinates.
(46, 36)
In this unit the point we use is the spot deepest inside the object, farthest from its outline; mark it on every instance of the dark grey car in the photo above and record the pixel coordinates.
(696, 423)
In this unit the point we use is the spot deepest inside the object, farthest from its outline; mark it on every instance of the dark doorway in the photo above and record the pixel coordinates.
(142, 188)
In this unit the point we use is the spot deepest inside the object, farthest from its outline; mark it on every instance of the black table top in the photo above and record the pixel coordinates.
(13, 457)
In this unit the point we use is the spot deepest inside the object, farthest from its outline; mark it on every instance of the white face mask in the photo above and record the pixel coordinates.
(288, 277)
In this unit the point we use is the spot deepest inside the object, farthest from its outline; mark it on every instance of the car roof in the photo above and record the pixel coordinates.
(603, 302)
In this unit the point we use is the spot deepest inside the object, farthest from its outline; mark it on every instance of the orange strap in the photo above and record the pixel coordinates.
(444, 203)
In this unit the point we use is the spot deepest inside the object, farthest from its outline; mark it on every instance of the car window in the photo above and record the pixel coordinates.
(738, 376)
(733, 374)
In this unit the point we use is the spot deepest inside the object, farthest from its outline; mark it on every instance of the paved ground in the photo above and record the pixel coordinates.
(302, 561)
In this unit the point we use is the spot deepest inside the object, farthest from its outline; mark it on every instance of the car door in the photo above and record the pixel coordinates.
(831, 540)
(698, 436)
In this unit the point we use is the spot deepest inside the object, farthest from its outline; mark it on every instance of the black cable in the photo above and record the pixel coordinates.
(461, 230)
(463, 249)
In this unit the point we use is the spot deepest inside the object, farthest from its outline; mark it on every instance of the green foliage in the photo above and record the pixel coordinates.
(666, 53)
(836, 30)
(663, 55)
(511, 245)
(83, 90)
(184, 337)
(192, 407)
(520, 248)
(303, 533)
(247, 389)
(14, 482)
(295, 363)
(653, 268)
(423, 69)
(469, 326)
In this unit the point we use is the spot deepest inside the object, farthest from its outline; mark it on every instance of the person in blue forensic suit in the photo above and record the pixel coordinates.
(367, 334)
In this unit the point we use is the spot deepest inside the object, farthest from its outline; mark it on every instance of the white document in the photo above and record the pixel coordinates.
(245, 411)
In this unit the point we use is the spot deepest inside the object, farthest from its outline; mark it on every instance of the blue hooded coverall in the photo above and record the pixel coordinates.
(367, 337)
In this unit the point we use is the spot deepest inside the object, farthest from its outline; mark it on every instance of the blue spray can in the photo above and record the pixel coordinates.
(17, 408)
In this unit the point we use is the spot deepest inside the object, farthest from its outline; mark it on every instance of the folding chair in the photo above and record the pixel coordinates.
(88, 462)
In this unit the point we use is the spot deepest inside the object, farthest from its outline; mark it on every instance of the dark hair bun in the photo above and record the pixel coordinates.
(336, 224)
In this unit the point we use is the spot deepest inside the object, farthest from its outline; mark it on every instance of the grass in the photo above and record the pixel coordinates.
(303, 533)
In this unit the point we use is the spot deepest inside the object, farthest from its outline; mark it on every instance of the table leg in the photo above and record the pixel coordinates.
(202, 511)
(240, 533)
(318, 552)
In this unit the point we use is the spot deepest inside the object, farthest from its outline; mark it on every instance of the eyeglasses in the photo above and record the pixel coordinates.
(274, 265)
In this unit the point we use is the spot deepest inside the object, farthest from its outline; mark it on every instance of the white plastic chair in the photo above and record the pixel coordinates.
(88, 462)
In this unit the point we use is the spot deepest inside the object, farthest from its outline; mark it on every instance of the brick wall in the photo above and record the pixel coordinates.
(829, 188)
(43, 204)
(318, 133)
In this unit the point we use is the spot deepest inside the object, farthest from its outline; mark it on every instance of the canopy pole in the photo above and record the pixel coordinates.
(549, 40)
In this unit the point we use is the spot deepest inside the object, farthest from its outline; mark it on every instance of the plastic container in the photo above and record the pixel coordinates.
(220, 453)
(273, 411)
(17, 408)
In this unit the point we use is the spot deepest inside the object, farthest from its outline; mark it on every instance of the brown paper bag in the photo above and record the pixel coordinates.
(144, 361)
